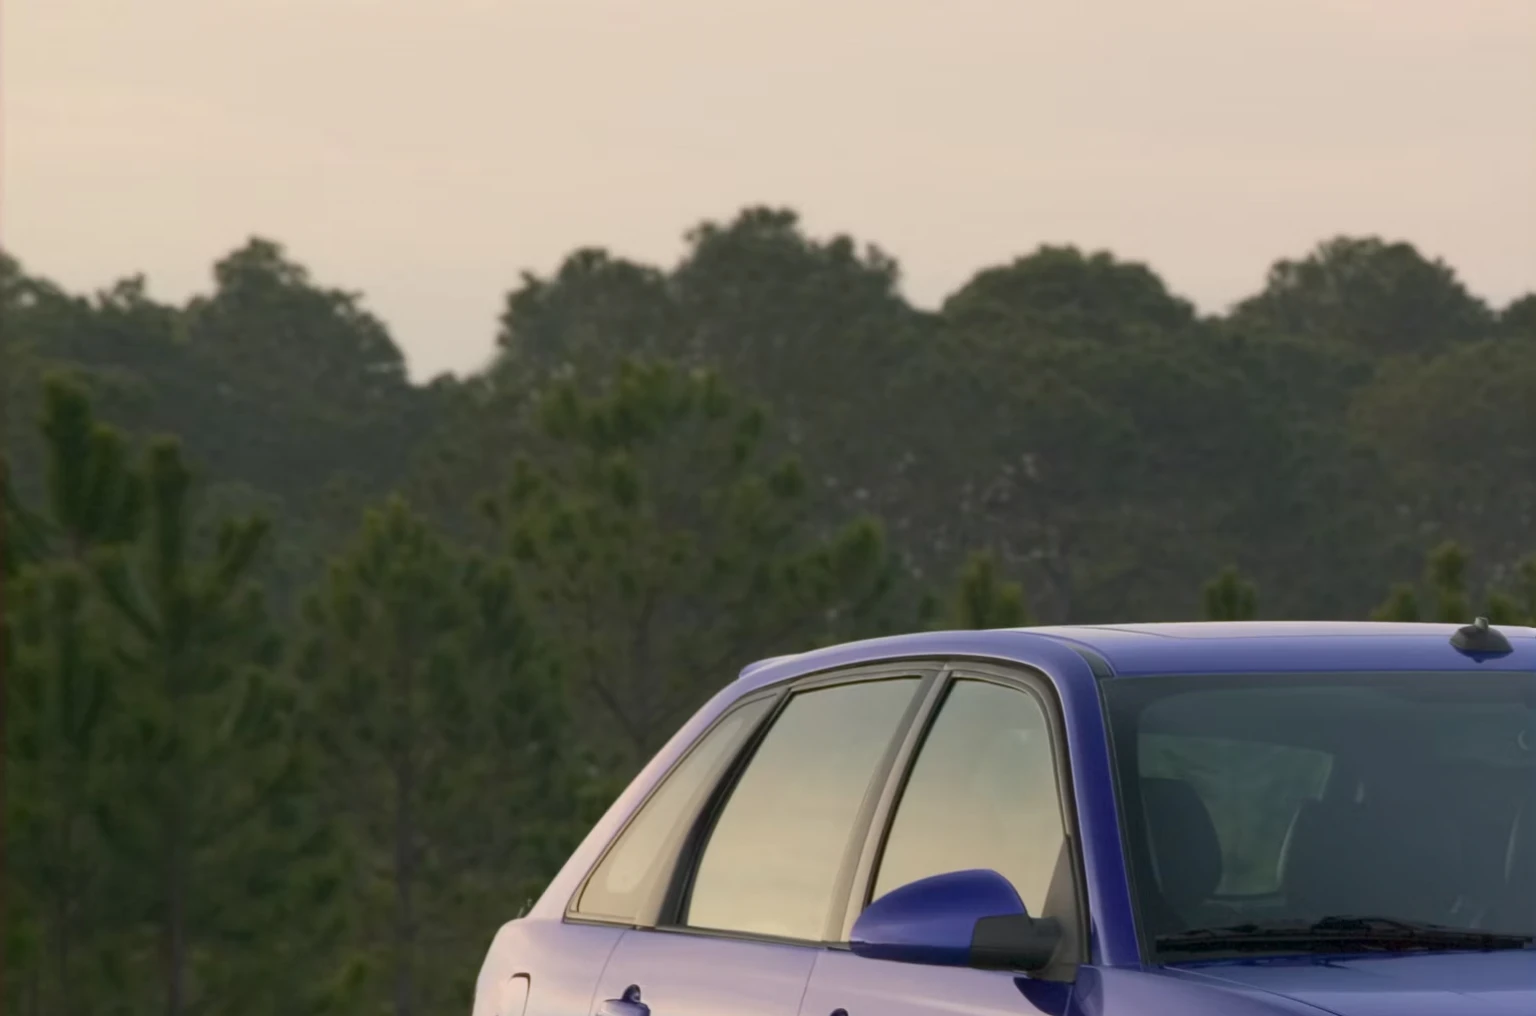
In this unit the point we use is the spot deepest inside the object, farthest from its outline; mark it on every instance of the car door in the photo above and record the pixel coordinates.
(983, 789)
(763, 882)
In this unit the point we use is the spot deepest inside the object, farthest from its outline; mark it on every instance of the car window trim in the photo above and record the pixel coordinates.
(856, 887)
(685, 866)
(1026, 680)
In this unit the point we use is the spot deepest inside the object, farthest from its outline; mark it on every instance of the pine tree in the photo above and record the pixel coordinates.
(1446, 576)
(427, 692)
(59, 652)
(1446, 588)
(1402, 604)
(1230, 597)
(665, 550)
(983, 599)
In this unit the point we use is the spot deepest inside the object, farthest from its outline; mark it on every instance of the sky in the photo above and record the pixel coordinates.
(427, 152)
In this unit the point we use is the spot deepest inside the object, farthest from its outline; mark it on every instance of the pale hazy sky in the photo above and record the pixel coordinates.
(426, 151)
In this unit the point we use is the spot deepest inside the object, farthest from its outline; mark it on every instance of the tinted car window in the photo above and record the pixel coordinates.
(982, 794)
(623, 880)
(1253, 791)
(1277, 800)
(771, 863)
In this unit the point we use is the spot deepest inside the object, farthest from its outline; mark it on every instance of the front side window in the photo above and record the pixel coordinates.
(981, 794)
(1328, 805)
(771, 864)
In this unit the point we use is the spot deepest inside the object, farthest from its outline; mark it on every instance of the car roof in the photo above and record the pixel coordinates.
(1128, 650)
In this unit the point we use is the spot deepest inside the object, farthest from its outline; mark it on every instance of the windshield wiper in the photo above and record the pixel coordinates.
(1341, 931)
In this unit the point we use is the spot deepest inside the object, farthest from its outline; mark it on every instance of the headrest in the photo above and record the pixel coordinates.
(1186, 855)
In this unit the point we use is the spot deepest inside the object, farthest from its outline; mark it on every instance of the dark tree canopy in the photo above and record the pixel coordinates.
(316, 674)
(1386, 298)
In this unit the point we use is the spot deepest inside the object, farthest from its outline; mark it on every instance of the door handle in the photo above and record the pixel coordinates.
(628, 1004)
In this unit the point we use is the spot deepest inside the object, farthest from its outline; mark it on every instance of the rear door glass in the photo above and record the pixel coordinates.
(772, 862)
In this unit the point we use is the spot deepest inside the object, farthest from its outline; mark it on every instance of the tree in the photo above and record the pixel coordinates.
(1402, 604)
(271, 323)
(1088, 467)
(595, 311)
(1297, 484)
(983, 599)
(1383, 297)
(815, 330)
(1062, 293)
(664, 550)
(1455, 436)
(1230, 597)
(207, 767)
(64, 682)
(284, 388)
(426, 688)
(150, 749)
(1446, 589)
(805, 326)
(1518, 320)
(62, 678)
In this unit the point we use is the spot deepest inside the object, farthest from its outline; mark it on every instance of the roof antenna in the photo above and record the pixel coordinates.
(1481, 639)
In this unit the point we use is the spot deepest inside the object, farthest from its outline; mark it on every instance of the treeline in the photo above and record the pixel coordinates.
(295, 729)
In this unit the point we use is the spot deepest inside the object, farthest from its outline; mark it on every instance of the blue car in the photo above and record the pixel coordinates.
(1141, 820)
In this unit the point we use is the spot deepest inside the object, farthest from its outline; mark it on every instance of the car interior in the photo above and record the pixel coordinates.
(1418, 821)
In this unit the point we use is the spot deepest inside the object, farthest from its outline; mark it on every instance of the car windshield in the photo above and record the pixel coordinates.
(1274, 812)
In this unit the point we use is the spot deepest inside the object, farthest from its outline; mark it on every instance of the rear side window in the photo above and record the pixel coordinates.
(772, 861)
(624, 880)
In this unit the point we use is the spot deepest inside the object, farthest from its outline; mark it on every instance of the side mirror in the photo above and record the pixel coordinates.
(968, 918)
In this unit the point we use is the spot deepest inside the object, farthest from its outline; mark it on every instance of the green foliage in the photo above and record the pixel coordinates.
(1379, 296)
(665, 548)
(426, 689)
(983, 599)
(150, 736)
(1518, 320)
(61, 685)
(1061, 293)
(1230, 597)
(24, 540)
(595, 310)
(1456, 434)
(250, 743)
(1401, 604)
(1516, 606)
(1447, 590)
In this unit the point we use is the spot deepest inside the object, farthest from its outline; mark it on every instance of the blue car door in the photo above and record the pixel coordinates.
(982, 791)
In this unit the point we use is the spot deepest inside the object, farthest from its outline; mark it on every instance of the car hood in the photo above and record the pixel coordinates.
(1419, 984)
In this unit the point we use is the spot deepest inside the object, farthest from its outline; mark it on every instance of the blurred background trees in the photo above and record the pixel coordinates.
(306, 697)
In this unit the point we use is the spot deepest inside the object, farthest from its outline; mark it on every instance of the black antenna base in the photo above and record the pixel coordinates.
(1479, 638)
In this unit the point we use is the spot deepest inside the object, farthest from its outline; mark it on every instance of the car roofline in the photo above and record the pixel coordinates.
(1118, 649)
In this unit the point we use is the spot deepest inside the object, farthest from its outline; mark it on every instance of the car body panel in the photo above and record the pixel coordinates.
(1123, 991)
(844, 981)
(685, 974)
(561, 960)
(1443, 984)
(1279, 647)
(720, 974)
